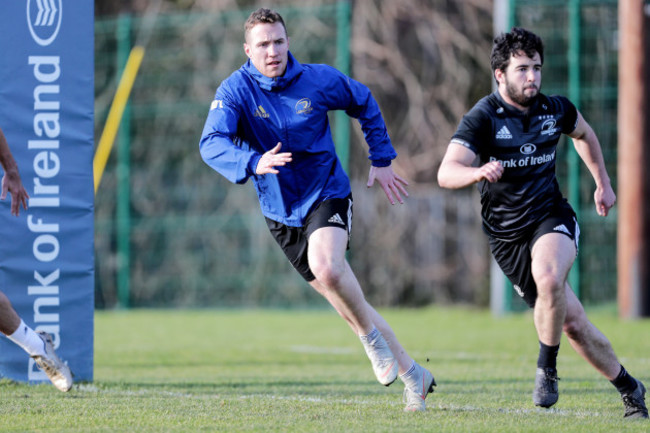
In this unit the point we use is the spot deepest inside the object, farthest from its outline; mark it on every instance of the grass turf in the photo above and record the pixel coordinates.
(304, 371)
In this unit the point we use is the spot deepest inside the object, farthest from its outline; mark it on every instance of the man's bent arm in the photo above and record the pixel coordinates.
(217, 147)
(11, 181)
(6, 158)
(588, 147)
(456, 170)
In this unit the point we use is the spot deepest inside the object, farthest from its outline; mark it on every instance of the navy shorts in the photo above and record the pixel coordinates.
(336, 212)
(514, 257)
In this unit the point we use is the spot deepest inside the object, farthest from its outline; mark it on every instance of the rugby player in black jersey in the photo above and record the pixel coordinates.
(532, 230)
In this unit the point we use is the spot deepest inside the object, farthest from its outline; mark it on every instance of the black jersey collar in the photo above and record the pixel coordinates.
(511, 110)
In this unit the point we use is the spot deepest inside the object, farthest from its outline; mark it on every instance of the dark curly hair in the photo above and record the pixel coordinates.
(507, 44)
(263, 15)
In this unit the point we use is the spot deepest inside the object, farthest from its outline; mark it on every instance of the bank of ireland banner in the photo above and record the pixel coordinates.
(46, 113)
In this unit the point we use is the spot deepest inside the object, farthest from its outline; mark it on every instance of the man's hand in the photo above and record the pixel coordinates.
(11, 183)
(491, 171)
(390, 182)
(272, 159)
(604, 198)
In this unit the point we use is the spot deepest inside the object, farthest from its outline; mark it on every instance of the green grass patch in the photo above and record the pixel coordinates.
(304, 371)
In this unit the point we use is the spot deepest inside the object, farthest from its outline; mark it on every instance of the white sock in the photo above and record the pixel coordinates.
(29, 340)
(413, 376)
(371, 337)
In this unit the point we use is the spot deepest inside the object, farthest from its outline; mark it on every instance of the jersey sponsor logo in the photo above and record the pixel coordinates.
(562, 228)
(44, 20)
(304, 106)
(528, 148)
(527, 161)
(504, 133)
(261, 112)
(336, 219)
(548, 127)
(217, 103)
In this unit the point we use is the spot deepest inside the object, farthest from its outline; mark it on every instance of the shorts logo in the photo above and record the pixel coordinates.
(304, 106)
(528, 148)
(518, 290)
(504, 133)
(336, 219)
(562, 228)
(44, 20)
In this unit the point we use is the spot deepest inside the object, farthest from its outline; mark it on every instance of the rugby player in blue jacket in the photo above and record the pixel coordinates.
(532, 230)
(268, 122)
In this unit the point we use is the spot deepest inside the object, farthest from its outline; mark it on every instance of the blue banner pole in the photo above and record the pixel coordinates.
(46, 113)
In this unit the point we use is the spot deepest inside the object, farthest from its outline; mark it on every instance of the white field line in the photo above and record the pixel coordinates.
(462, 356)
(90, 388)
(321, 350)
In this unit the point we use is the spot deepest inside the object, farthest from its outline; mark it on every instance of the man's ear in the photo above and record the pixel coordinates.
(499, 75)
(247, 49)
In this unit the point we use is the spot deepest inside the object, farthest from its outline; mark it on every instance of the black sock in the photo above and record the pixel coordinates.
(547, 356)
(624, 382)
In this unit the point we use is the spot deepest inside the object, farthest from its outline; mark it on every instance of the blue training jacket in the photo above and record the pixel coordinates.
(251, 113)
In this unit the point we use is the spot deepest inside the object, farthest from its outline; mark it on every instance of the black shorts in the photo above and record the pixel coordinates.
(514, 257)
(336, 212)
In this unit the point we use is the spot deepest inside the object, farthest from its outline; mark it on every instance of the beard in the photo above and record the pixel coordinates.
(519, 97)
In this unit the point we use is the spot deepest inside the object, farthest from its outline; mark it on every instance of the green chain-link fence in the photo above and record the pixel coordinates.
(171, 232)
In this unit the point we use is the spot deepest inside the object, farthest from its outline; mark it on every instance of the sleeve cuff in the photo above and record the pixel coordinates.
(252, 164)
(381, 162)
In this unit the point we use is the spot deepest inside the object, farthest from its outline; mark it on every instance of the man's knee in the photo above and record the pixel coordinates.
(327, 273)
(549, 285)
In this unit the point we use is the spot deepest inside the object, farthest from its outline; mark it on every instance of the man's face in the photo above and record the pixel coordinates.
(522, 79)
(267, 45)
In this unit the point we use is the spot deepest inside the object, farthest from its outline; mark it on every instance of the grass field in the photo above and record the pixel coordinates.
(304, 371)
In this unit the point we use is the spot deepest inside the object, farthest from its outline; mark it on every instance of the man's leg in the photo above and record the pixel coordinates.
(404, 361)
(334, 278)
(596, 349)
(552, 256)
(338, 284)
(587, 340)
(38, 345)
(9, 320)
(418, 381)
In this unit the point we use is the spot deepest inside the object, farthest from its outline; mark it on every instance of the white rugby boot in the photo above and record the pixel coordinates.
(415, 397)
(51, 364)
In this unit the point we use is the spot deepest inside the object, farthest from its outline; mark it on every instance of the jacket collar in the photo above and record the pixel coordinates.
(294, 69)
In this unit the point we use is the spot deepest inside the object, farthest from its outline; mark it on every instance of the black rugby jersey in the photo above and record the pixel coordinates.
(525, 143)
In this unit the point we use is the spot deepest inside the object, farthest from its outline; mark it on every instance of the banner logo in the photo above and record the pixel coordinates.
(44, 20)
